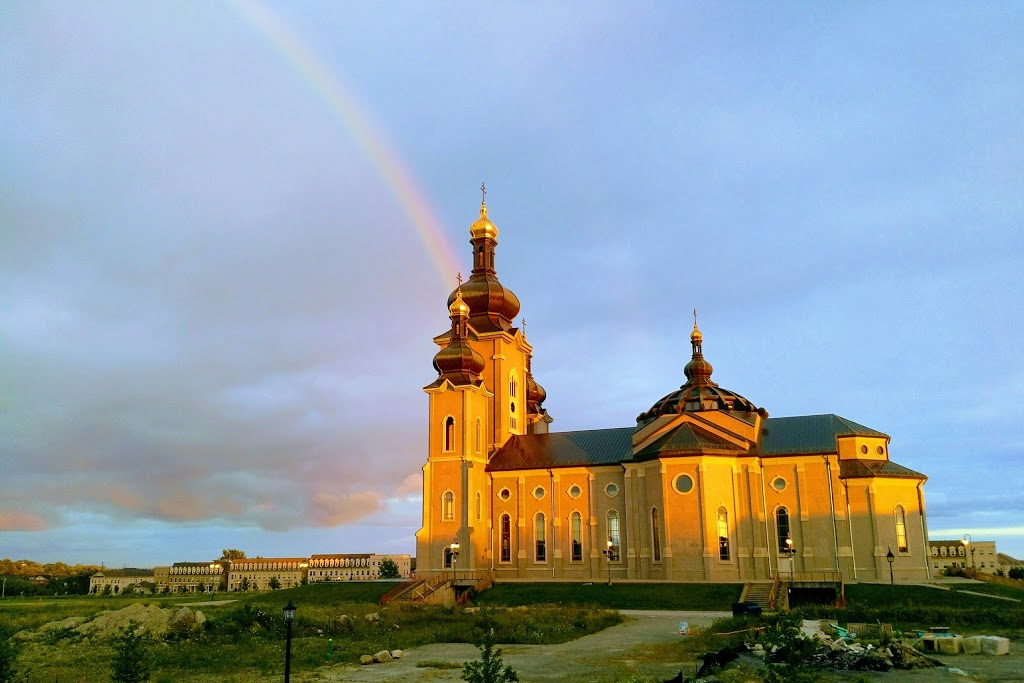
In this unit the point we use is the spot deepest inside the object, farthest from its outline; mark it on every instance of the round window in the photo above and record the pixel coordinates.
(778, 483)
(684, 483)
(612, 490)
(880, 450)
(864, 450)
(538, 492)
(513, 406)
(504, 494)
(575, 491)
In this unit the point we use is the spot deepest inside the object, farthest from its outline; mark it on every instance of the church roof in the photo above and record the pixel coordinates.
(686, 437)
(809, 434)
(779, 436)
(859, 469)
(564, 449)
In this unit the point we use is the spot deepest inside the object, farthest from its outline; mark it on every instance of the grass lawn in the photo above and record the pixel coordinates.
(691, 596)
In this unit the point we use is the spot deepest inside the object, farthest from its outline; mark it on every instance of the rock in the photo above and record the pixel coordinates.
(994, 645)
(372, 617)
(471, 610)
(397, 654)
(366, 659)
(382, 656)
(183, 621)
(200, 618)
(972, 645)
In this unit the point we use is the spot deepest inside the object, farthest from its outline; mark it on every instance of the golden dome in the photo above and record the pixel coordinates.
(483, 227)
(458, 307)
(696, 336)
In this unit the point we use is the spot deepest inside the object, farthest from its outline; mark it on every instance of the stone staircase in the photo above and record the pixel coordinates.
(758, 592)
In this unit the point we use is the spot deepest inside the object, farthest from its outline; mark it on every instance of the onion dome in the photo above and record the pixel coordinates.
(492, 306)
(483, 227)
(459, 362)
(535, 394)
(699, 393)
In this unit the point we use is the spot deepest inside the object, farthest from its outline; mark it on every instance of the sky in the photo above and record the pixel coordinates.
(228, 231)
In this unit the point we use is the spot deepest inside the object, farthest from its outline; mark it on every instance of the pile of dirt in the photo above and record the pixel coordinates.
(151, 619)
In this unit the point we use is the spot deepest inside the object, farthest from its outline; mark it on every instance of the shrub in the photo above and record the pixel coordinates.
(131, 660)
(8, 653)
(488, 669)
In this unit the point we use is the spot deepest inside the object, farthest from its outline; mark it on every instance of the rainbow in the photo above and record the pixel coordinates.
(378, 150)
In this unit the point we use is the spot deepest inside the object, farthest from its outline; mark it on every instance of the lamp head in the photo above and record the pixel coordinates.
(289, 612)
(890, 558)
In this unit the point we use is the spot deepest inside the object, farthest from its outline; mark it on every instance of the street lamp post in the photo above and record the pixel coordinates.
(967, 542)
(609, 553)
(890, 558)
(454, 547)
(791, 551)
(289, 617)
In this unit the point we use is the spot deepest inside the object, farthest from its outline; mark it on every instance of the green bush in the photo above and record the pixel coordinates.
(131, 661)
(489, 668)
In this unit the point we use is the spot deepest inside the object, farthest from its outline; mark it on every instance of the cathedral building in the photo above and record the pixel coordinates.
(704, 487)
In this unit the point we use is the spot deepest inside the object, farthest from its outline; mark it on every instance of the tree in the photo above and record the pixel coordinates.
(245, 583)
(232, 554)
(107, 590)
(274, 583)
(131, 660)
(488, 669)
(388, 569)
(1016, 573)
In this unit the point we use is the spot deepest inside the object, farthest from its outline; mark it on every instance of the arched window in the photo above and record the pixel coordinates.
(656, 535)
(723, 534)
(449, 434)
(448, 505)
(576, 529)
(541, 553)
(613, 533)
(506, 538)
(476, 440)
(901, 530)
(513, 386)
(782, 528)
(479, 505)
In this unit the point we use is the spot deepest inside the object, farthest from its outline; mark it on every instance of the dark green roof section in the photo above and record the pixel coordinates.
(564, 449)
(685, 438)
(860, 469)
(809, 434)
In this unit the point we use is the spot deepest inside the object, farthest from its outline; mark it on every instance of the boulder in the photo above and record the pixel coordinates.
(382, 656)
(366, 659)
(372, 617)
(471, 610)
(182, 621)
(994, 645)
(397, 654)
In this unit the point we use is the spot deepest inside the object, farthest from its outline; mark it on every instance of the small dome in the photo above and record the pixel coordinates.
(458, 307)
(696, 336)
(535, 393)
(483, 227)
(459, 361)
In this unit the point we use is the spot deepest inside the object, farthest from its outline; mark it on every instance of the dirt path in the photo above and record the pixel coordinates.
(592, 658)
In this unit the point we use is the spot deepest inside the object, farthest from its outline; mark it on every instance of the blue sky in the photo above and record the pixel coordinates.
(216, 314)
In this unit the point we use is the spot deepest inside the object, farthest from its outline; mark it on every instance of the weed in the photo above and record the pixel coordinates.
(488, 669)
(438, 664)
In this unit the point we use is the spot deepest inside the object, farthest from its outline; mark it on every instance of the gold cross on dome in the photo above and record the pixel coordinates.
(483, 191)
(460, 280)
(695, 317)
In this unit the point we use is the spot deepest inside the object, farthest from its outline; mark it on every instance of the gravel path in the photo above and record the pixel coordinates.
(587, 658)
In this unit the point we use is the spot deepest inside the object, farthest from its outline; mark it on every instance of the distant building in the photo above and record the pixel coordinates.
(703, 487)
(161, 577)
(958, 554)
(259, 572)
(1006, 563)
(354, 567)
(120, 580)
(197, 577)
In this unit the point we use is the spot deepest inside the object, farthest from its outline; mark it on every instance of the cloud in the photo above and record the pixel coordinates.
(334, 509)
(21, 521)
